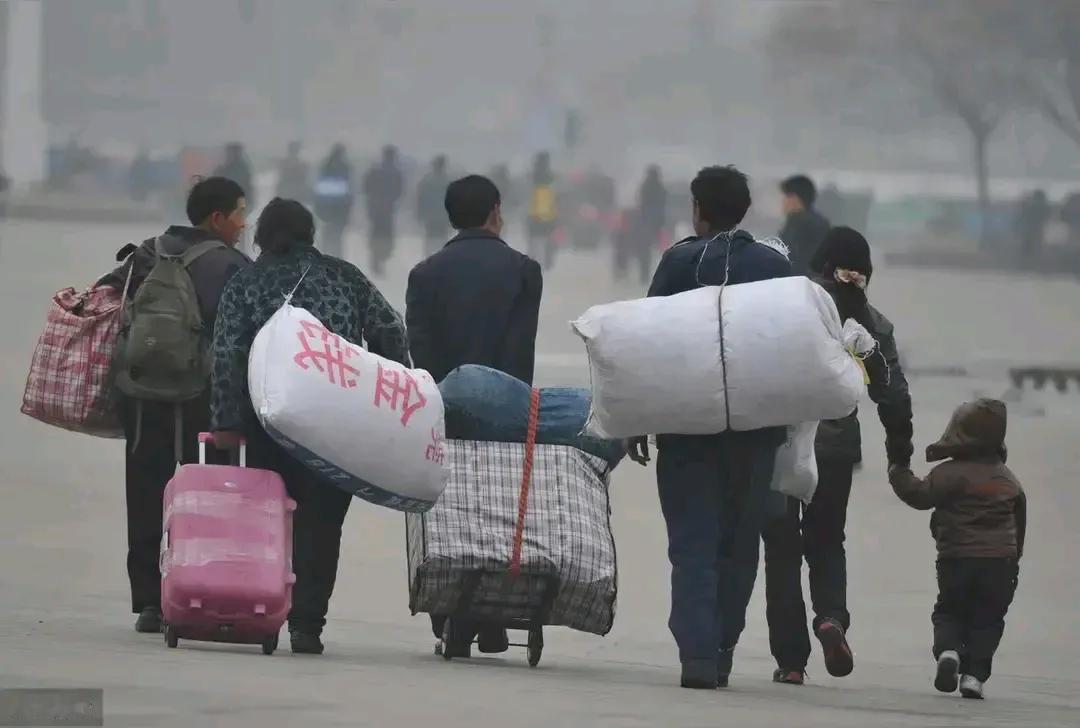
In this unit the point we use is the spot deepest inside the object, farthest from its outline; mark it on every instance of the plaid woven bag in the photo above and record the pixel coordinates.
(70, 383)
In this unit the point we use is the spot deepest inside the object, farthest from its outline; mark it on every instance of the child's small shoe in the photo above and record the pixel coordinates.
(948, 671)
(971, 687)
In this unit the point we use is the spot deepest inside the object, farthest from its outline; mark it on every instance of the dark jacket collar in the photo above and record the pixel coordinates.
(475, 234)
(189, 234)
(739, 238)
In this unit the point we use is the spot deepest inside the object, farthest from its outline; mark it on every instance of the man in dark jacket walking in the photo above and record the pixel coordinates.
(713, 488)
(235, 166)
(805, 227)
(383, 186)
(430, 211)
(217, 208)
(816, 531)
(651, 219)
(334, 196)
(477, 301)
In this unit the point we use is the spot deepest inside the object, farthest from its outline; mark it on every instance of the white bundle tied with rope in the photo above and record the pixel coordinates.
(718, 358)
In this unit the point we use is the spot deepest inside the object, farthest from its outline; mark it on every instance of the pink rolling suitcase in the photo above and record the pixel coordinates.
(226, 554)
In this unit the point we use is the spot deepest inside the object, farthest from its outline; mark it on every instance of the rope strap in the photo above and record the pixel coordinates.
(526, 481)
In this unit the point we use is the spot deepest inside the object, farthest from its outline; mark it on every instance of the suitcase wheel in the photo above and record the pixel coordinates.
(172, 639)
(535, 648)
(270, 644)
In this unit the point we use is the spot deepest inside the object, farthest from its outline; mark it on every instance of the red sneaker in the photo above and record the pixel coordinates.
(789, 677)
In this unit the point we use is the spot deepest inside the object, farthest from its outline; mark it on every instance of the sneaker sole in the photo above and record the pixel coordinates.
(971, 694)
(948, 675)
(839, 661)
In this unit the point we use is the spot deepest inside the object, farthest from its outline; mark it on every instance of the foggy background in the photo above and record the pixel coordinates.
(882, 98)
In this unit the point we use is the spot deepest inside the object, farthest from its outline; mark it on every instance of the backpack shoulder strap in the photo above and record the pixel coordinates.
(198, 250)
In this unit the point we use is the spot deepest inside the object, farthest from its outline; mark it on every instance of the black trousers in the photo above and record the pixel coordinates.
(320, 512)
(149, 463)
(973, 597)
(815, 532)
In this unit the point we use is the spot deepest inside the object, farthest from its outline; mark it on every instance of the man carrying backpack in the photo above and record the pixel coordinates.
(162, 364)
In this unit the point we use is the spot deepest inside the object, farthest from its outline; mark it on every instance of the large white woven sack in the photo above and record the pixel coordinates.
(369, 425)
(656, 363)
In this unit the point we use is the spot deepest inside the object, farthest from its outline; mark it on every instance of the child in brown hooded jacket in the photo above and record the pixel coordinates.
(979, 521)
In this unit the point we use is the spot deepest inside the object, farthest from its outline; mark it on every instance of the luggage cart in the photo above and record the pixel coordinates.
(465, 556)
(483, 607)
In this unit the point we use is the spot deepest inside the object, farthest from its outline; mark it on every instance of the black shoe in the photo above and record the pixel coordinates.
(789, 677)
(149, 621)
(305, 643)
(948, 672)
(699, 675)
(839, 660)
(725, 661)
(493, 640)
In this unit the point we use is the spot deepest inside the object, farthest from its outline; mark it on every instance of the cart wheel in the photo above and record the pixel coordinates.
(536, 646)
(172, 639)
(451, 646)
(270, 644)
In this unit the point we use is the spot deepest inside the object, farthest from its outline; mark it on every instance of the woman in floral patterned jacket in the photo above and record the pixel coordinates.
(347, 303)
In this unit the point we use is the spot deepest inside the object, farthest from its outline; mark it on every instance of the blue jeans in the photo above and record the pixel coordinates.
(714, 493)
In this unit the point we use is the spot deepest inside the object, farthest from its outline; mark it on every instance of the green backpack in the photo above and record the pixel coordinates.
(163, 352)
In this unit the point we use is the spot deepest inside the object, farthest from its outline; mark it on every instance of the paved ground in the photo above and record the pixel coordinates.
(63, 591)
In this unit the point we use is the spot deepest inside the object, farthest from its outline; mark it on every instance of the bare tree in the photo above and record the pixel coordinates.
(952, 50)
(1047, 35)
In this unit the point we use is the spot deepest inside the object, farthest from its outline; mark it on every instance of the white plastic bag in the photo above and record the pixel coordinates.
(857, 339)
(795, 471)
(371, 426)
(657, 364)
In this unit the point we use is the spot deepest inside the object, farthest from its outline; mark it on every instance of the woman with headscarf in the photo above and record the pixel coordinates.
(843, 267)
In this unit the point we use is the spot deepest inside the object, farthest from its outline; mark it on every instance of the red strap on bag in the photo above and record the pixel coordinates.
(526, 481)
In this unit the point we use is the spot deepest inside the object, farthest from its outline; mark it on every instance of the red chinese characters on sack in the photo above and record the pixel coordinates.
(435, 452)
(400, 391)
(328, 353)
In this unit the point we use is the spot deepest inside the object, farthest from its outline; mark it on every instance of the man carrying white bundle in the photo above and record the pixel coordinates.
(713, 488)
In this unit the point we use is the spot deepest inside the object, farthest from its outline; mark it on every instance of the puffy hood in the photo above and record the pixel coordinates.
(976, 429)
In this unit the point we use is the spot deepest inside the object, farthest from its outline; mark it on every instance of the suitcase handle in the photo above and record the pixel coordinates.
(208, 437)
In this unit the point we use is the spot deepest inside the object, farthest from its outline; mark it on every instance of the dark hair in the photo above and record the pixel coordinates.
(722, 195)
(802, 187)
(470, 200)
(210, 195)
(283, 226)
